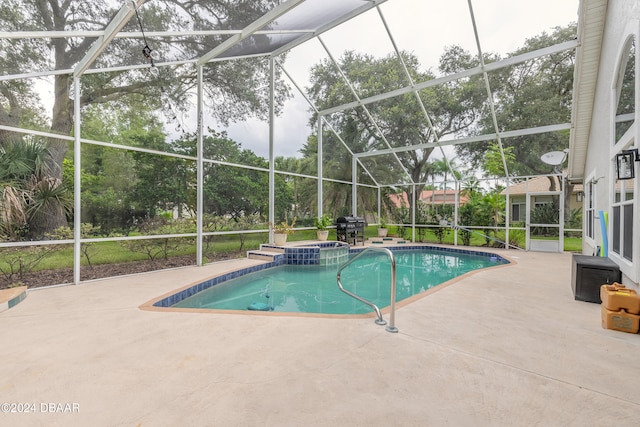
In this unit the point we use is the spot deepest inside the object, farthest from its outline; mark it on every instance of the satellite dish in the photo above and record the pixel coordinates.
(554, 158)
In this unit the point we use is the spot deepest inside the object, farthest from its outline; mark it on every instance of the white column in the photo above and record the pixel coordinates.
(320, 155)
(77, 166)
(354, 186)
(272, 181)
(200, 171)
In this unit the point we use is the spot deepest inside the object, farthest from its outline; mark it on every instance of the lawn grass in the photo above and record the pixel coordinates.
(117, 252)
(573, 244)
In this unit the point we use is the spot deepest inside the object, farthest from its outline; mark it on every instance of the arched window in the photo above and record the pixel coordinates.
(626, 94)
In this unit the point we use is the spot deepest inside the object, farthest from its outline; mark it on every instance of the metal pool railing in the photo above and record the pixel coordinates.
(392, 314)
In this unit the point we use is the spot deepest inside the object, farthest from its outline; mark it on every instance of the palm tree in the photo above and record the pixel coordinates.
(439, 167)
(28, 191)
(291, 164)
(492, 206)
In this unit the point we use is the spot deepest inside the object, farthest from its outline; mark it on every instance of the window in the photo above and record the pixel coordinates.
(590, 210)
(624, 191)
(516, 211)
(622, 225)
(625, 88)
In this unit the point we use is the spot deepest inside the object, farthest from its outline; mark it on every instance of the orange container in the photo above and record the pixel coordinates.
(620, 320)
(616, 297)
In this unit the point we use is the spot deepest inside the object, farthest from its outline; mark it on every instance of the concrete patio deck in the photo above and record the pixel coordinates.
(502, 347)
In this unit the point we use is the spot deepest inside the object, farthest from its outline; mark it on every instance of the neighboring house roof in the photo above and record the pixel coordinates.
(536, 185)
(591, 21)
(436, 197)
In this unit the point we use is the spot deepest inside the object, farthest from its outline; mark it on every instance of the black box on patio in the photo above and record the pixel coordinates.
(588, 273)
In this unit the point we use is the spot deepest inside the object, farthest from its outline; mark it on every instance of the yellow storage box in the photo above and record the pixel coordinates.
(616, 297)
(620, 320)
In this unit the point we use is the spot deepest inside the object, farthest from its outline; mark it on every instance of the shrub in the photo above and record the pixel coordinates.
(86, 230)
(160, 248)
(436, 219)
(16, 262)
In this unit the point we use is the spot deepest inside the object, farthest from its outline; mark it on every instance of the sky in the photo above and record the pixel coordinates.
(418, 26)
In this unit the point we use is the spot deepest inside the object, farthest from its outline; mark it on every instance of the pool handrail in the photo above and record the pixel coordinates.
(392, 313)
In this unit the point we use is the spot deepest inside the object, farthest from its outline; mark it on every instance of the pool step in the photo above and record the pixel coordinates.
(262, 255)
(271, 248)
(265, 253)
(386, 241)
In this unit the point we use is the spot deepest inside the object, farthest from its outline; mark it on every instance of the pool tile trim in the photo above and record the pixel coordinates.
(176, 297)
(406, 247)
(305, 254)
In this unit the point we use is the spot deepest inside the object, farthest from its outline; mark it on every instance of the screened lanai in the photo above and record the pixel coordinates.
(165, 121)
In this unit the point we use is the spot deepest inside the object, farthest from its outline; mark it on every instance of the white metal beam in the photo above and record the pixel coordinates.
(366, 110)
(116, 24)
(77, 175)
(479, 138)
(417, 95)
(200, 167)
(272, 176)
(572, 44)
(489, 92)
(16, 35)
(312, 105)
(319, 158)
(354, 186)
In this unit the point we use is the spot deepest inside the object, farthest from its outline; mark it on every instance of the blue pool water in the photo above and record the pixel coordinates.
(313, 288)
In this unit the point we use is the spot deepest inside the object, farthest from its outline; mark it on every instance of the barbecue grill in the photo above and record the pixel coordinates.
(350, 229)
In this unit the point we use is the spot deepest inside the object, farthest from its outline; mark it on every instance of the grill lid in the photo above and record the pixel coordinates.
(349, 219)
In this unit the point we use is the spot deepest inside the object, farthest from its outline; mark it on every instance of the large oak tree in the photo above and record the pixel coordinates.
(237, 88)
(400, 121)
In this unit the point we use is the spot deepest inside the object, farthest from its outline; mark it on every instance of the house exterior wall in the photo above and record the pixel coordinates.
(622, 20)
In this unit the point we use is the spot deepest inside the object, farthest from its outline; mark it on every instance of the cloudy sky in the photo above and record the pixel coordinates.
(418, 26)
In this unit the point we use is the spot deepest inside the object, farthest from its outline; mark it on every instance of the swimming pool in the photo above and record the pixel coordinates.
(313, 288)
